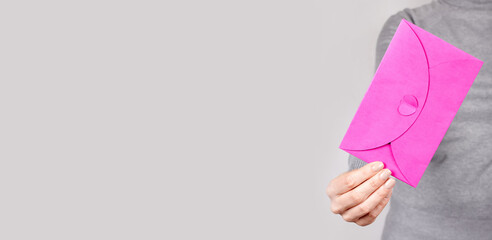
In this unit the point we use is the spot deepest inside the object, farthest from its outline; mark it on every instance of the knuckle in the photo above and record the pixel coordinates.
(387, 197)
(361, 223)
(364, 209)
(368, 172)
(350, 181)
(353, 197)
(365, 222)
(329, 190)
(348, 218)
(374, 183)
(373, 214)
(356, 197)
(335, 209)
(381, 195)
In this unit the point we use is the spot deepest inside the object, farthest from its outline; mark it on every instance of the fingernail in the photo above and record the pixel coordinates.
(390, 183)
(385, 174)
(377, 166)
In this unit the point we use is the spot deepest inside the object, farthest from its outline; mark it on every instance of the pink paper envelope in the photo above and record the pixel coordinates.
(415, 94)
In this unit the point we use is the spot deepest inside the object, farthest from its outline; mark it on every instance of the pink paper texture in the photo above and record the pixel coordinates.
(415, 94)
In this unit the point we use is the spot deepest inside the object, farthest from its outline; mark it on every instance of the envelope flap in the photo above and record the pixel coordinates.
(437, 50)
(396, 95)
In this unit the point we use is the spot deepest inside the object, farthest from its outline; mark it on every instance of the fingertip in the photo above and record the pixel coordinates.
(377, 166)
(390, 183)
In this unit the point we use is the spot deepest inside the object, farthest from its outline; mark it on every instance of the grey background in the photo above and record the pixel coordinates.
(180, 119)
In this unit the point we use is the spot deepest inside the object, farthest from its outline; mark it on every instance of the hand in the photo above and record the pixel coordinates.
(360, 195)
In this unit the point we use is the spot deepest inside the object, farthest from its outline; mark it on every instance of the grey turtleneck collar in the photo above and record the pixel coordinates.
(475, 4)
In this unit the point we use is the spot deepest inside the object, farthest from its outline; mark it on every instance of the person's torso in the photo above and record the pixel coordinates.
(457, 184)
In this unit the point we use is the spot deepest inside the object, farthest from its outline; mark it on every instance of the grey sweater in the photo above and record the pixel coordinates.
(454, 197)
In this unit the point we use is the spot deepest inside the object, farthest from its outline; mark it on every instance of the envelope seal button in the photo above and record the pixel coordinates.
(408, 105)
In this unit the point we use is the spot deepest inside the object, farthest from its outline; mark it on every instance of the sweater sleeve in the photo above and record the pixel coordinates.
(383, 41)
